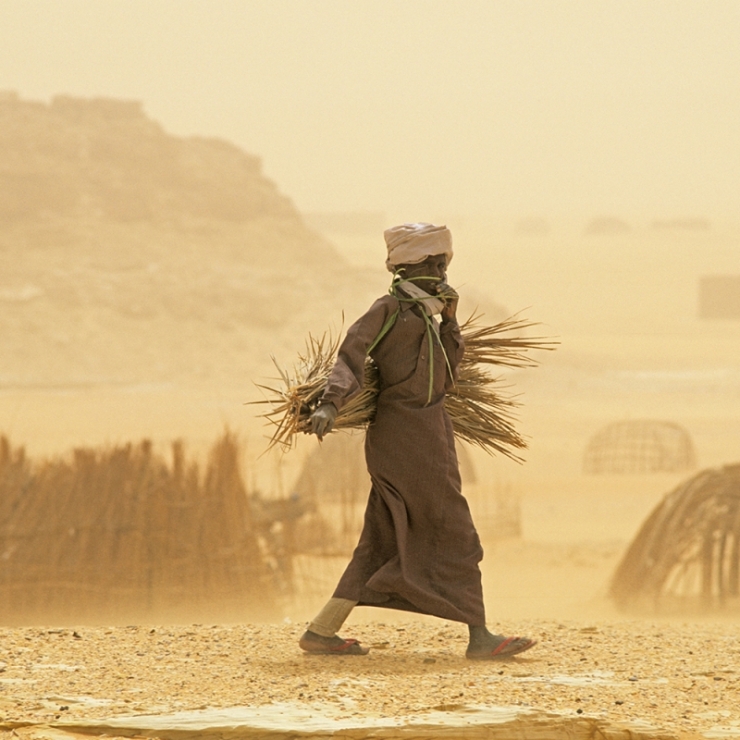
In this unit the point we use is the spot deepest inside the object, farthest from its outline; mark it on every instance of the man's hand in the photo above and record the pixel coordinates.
(322, 420)
(449, 295)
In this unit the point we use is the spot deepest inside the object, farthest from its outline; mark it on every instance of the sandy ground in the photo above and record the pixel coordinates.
(682, 678)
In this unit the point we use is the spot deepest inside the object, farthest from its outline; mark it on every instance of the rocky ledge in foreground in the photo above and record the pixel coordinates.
(292, 721)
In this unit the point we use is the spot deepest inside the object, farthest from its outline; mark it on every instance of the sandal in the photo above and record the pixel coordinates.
(346, 647)
(508, 647)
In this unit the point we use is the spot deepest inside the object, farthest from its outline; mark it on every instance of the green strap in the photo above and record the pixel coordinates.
(386, 328)
(430, 342)
(430, 329)
(431, 333)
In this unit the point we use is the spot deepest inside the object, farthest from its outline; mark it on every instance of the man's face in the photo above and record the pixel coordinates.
(432, 267)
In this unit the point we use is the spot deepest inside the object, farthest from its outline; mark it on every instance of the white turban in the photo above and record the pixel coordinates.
(409, 244)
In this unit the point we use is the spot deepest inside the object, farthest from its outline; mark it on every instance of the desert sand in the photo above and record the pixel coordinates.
(682, 679)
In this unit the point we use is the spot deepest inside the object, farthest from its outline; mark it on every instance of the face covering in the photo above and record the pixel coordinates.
(432, 304)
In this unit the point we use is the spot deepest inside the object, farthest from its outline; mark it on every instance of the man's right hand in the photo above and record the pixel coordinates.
(322, 420)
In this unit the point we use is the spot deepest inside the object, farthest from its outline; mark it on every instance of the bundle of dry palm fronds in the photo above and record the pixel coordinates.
(481, 413)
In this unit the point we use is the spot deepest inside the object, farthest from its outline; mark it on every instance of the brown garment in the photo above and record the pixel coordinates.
(418, 550)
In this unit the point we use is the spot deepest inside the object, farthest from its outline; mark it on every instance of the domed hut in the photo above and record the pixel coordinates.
(639, 446)
(687, 553)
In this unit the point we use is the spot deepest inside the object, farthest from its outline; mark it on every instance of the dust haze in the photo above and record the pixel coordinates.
(189, 190)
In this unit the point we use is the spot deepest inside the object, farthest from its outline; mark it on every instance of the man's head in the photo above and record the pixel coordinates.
(428, 274)
(411, 244)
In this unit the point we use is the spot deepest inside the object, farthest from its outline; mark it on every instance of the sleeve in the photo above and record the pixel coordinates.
(348, 374)
(454, 345)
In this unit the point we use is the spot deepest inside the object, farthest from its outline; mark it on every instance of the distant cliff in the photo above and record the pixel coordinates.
(105, 159)
(128, 254)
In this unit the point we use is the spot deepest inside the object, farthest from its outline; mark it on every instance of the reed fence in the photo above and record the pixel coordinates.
(118, 534)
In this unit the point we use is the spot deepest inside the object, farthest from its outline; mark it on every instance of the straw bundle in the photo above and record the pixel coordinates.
(481, 413)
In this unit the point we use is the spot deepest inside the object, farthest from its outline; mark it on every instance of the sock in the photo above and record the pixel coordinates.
(331, 618)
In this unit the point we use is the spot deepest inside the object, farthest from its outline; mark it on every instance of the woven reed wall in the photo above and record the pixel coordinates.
(639, 446)
(122, 534)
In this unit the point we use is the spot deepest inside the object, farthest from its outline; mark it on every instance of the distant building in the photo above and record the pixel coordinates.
(719, 297)
(682, 224)
(607, 225)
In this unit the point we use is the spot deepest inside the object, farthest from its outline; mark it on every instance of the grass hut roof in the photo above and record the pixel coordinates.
(687, 552)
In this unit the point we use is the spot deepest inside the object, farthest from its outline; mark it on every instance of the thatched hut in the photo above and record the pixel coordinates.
(687, 553)
(119, 534)
(719, 297)
(639, 446)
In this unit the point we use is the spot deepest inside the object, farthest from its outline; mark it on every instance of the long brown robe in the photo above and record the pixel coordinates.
(419, 550)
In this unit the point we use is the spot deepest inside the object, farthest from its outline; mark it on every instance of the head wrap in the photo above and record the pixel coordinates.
(409, 244)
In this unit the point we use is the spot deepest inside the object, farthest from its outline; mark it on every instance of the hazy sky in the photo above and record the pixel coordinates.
(415, 107)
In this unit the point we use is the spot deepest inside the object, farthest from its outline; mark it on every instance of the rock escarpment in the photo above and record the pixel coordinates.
(128, 254)
(105, 159)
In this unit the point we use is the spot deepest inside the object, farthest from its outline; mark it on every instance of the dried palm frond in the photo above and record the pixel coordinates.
(480, 412)
(490, 345)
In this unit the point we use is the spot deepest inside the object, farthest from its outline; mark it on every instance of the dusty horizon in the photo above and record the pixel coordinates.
(508, 109)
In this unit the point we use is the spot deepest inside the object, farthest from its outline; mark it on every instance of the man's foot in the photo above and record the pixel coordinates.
(497, 647)
(315, 644)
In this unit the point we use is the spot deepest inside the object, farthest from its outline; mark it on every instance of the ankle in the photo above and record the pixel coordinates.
(311, 635)
(480, 637)
(478, 631)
